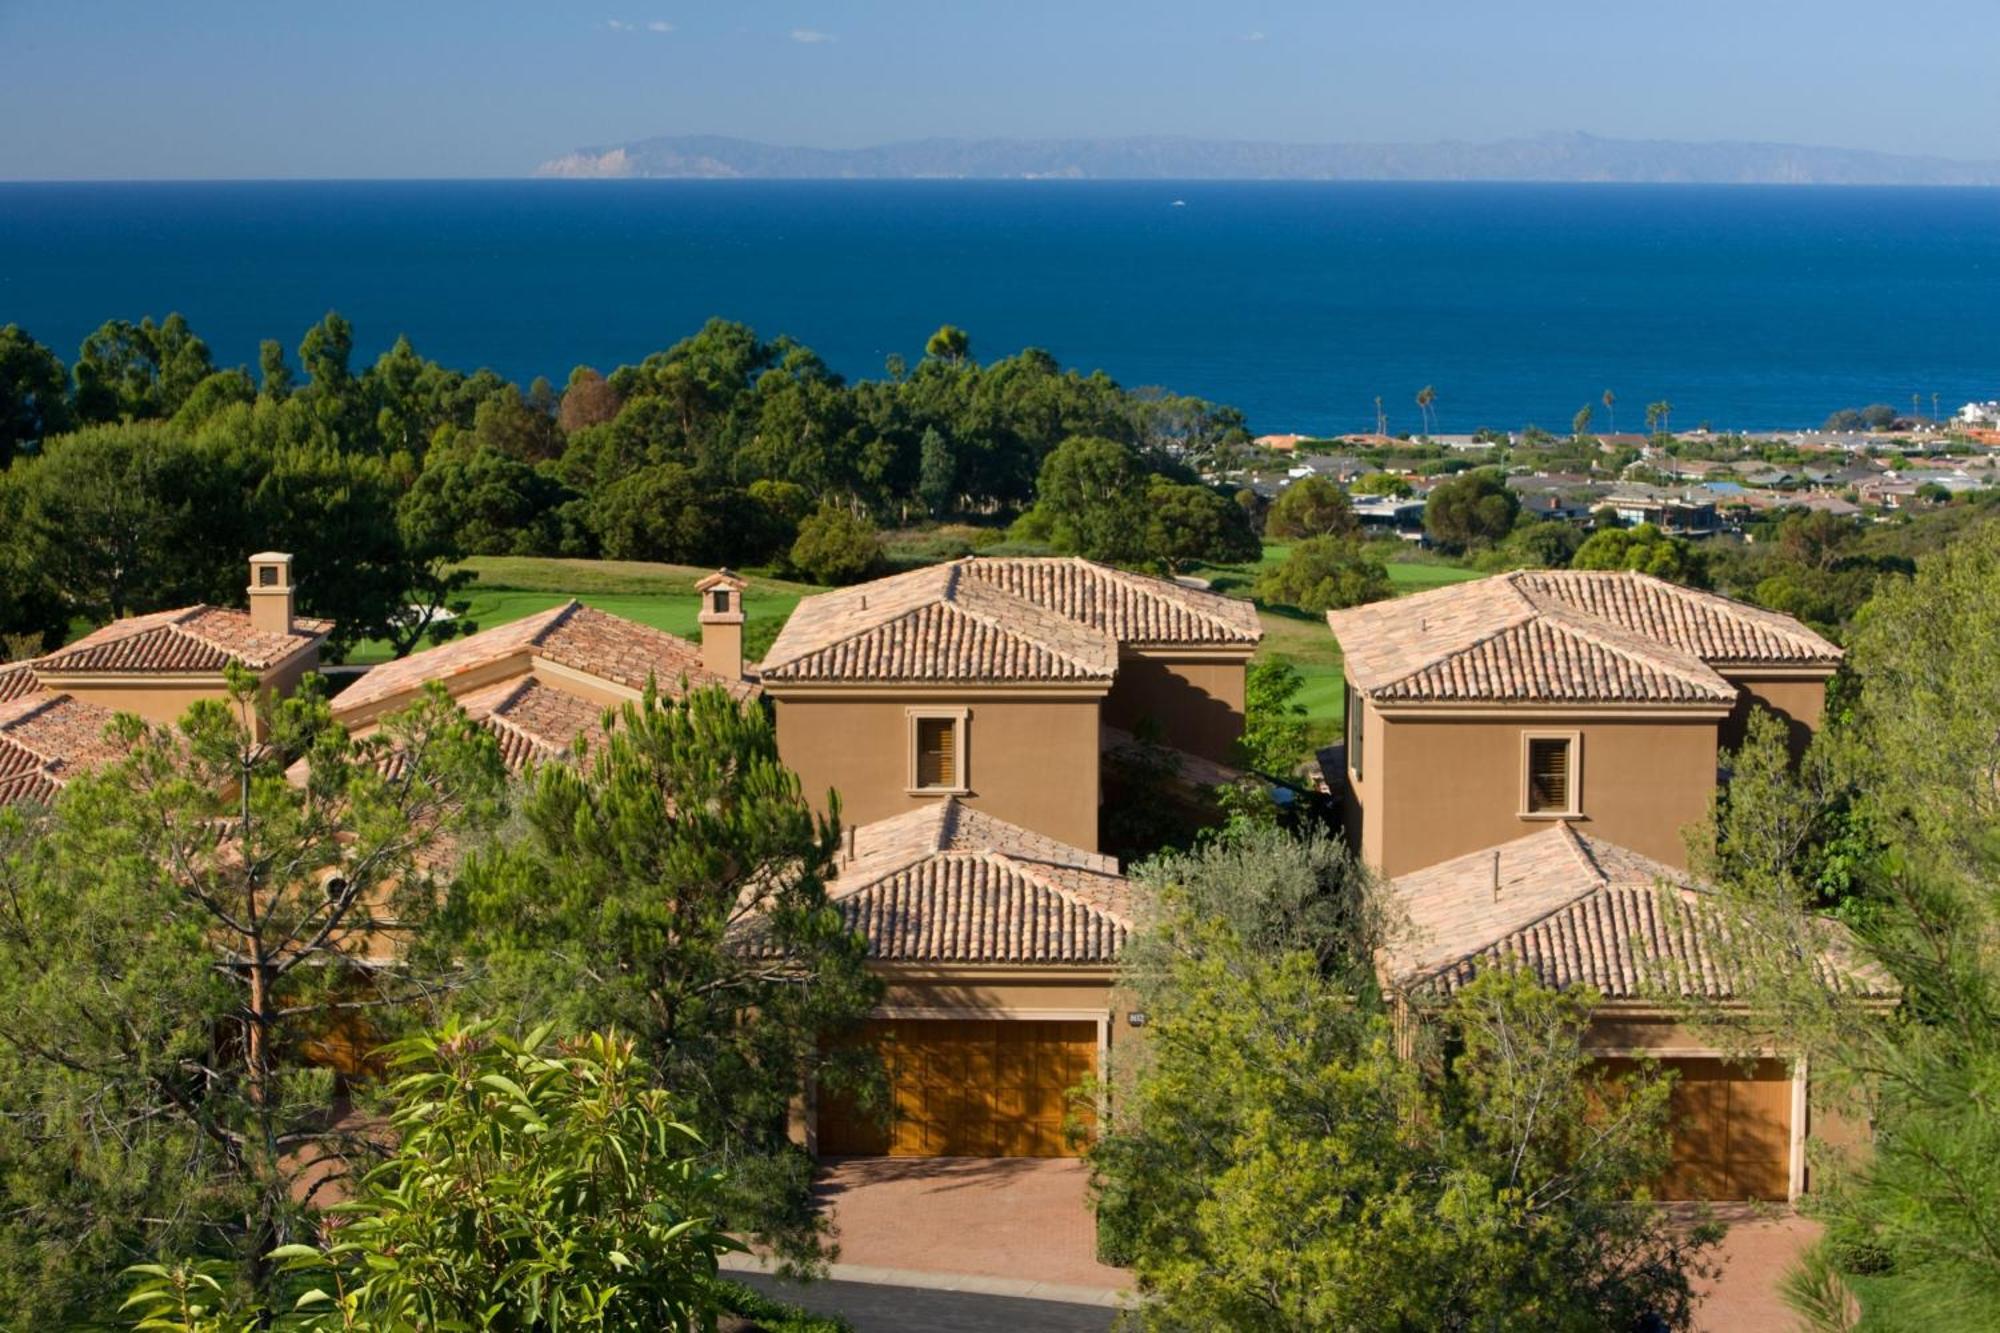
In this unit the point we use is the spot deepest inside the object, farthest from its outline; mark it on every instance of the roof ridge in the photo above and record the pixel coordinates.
(1029, 611)
(1582, 851)
(1151, 583)
(1036, 872)
(1788, 627)
(560, 617)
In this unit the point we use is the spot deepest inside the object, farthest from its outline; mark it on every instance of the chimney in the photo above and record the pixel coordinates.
(271, 592)
(721, 620)
(1496, 875)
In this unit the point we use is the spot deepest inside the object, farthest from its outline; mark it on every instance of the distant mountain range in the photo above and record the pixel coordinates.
(1554, 157)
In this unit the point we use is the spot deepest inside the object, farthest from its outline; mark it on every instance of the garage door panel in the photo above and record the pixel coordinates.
(971, 1088)
(1731, 1127)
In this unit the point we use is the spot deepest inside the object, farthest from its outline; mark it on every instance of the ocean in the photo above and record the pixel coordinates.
(1745, 307)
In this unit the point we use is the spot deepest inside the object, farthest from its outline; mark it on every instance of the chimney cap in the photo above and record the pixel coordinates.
(272, 557)
(721, 578)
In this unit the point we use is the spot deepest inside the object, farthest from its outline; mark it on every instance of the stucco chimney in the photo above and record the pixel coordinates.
(1496, 874)
(722, 624)
(271, 592)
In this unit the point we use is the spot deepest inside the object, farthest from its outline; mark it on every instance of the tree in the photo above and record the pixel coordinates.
(532, 1185)
(1426, 400)
(1091, 497)
(1276, 737)
(179, 934)
(836, 545)
(1323, 574)
(1580, 423)
(1472, 510)
(274, 382)
(672, 883)
(937, 473)
(589, 400)
(1186, 524)
(1646, 549)
(1311, 507)
(1545, 544)
(33, 405)
(137, 372)
(1611, 409)
(666, 513)
(1384, 483)
(1659, 417)
(1276, 1165)
(1892, 820)
(949, 343)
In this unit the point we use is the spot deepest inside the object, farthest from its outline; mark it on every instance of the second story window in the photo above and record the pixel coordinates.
(1550, 784)
(937, 745)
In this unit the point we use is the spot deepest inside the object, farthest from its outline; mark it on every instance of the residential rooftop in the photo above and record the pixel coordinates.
(46, 739)
(193, 639)
(1566, 636)
(1018, 619)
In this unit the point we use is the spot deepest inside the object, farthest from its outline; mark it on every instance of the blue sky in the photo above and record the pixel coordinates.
(226, 88)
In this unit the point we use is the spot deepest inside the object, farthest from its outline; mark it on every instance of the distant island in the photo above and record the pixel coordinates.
(1553, 158)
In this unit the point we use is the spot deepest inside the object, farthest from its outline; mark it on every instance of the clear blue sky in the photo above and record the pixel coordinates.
(228, 88)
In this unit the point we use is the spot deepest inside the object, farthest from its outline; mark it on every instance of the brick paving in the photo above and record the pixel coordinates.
(1020, 1217)
(1760, 1246)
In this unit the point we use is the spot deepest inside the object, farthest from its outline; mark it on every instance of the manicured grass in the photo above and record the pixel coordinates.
(506, 588)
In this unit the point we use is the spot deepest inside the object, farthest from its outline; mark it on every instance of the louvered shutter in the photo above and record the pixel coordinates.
(937, 752)
(1548, 775)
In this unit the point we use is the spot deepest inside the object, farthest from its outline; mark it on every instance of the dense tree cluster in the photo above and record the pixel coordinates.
(144, 475)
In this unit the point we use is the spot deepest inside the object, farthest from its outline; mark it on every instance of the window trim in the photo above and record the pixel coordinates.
(960, 719)
(1355, 725)
(1573, 807)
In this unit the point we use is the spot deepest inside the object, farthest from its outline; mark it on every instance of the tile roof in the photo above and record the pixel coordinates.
(572, 635)
(532, 719)
(45, 740)
(1565, 636)
(946, 883)
(1004, 620)
(1575, 910)
(193, 638)
(17, 679)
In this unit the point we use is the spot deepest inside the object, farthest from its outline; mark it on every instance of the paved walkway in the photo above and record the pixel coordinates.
(1760, 1246)
(1024, 1219)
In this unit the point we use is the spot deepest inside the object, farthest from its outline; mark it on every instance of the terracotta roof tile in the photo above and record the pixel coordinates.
(1010, 620)
(1565, 637)
(46, 739)
(1575, 910)
(194, 638)
(949, 884)
(17, 679)
(572, 635)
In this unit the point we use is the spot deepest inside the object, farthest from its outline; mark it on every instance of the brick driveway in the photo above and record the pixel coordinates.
(1760, 1246)
(1007, 1217)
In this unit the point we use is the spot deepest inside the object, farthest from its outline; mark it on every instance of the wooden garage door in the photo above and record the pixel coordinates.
(1732, 1130)
(970, 1088)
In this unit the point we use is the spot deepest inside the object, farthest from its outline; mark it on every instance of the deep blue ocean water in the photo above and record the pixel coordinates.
(1746, 307)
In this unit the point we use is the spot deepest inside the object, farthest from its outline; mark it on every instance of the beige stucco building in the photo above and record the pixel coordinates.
(1523, 757)
(995, 682)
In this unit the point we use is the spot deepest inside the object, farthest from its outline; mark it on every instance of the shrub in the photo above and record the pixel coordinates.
(835, 546)
(1324, 574)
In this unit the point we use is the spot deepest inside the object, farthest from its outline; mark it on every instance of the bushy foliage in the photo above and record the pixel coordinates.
(1470, 511)
(1311, 507)
(672, 885)
(836, 545)
(1647, 550)
(1276, 1164)
(1325, 574)
(1275, 733)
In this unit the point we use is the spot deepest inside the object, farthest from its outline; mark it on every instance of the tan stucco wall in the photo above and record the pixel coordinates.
(1197, 702)
(1798, 703)
(1439, 788)
(1030, 761)
(165, 701)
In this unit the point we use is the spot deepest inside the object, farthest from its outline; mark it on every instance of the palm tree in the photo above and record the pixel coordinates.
(1610, 410)
(1581, 424)
(1425, 397)
(1381, 419)
(1659, 417)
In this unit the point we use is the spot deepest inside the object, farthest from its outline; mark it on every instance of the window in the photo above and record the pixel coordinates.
(267, 576)
(718, 601)
(1550, 782)
(1356, 727)
(937, 751)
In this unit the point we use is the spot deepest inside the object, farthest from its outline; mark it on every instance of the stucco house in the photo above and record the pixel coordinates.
(997, 682)
(1522, 756)
(1483, 711)
(541, 682)
(999, 948)
(54, 710)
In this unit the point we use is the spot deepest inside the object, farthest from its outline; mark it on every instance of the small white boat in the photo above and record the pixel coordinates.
(1180, 203)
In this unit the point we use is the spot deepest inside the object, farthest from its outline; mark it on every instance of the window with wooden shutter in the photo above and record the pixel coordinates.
(937, 753)
(1551, 775)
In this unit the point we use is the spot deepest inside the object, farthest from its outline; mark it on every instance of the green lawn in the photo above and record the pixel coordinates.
(509, 587)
